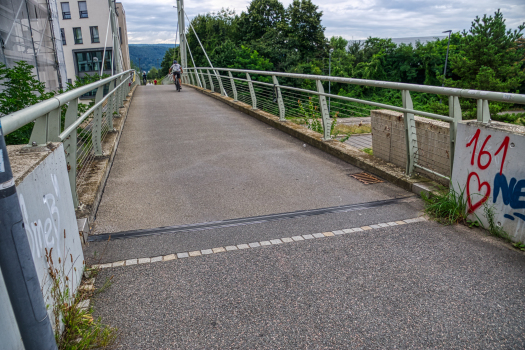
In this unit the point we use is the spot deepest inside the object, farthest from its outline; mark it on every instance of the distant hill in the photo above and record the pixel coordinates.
(149, 55)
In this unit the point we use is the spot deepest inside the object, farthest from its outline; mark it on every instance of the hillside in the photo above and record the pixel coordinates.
(149, 55)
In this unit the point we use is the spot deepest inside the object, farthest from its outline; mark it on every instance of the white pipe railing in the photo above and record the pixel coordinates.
(47, 116)
(412, 150)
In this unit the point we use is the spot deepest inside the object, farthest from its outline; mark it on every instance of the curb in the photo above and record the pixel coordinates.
(98, 197)
(347, 153)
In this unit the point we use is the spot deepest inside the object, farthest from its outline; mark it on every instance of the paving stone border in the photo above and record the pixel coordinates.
(253, 245)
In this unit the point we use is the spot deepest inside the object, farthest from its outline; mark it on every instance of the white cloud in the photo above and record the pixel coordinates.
(156, 22)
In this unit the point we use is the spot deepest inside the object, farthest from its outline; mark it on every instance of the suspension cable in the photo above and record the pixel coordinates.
(188, 45)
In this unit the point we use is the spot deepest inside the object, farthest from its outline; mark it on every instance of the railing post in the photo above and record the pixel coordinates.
(277, 91)
(410, 133)
(252, 91)
(483, 112)
(122, 93)
(191, 78)
(234, 89)
(327, 123)
(203, 80)
(197, 79)
(219, 78)
(109, 106)
(211, 81)
(46, 128)
(454, 112)
(70, 147)
(96, 132)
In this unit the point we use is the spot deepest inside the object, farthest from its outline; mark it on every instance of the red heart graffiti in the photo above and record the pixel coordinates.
(472, 208)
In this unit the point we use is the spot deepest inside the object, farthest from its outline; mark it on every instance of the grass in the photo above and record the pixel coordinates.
(368, 151)
(447, 207)
(353, 129)
(80, 330)
(450, 207)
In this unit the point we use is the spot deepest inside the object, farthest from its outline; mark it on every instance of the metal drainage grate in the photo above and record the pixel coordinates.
(365, 178)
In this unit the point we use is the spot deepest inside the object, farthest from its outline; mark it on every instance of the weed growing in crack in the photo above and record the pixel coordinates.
(447, 208)
(75, 328)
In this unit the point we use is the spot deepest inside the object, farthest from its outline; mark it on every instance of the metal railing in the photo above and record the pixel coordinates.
(291, 102)
(57, 120)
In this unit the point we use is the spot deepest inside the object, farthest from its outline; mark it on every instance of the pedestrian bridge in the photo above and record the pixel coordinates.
(231, 215)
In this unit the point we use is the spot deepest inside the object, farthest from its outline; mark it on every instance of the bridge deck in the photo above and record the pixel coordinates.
(186, 159)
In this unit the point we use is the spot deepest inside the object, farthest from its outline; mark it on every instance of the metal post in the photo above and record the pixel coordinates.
(279, 99)
(96, 132)
(218, 76)
(191, 78)
(234, 89)
(446, 58)
(483, 112)
(18, 269)
(46, 128)
(327, 123)
(252, 91)
(211, 81)
(109, 107)
(203, 80)
(329, 82)
(70, 147)
(410, 133)
(454, 111)
(121, 93)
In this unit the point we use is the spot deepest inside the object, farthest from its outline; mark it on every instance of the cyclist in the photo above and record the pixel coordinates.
(176, 70)
(144, 78)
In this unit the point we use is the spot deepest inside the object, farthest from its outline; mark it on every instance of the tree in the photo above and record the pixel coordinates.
(262, 16)
(167, 61)
(489, 57)
(153, 73)
(305, 31)
(245, 58)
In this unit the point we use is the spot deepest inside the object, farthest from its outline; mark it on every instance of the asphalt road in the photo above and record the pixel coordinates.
(417, 286)
(186, 158)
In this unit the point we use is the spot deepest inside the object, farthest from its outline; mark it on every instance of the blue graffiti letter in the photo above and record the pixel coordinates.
(500, 182)
(519, 191)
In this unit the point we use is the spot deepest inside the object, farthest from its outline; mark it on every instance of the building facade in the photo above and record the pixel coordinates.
(30, 31)
(87, 37)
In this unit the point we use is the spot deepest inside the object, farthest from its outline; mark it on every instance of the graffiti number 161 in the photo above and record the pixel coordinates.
(504, 145)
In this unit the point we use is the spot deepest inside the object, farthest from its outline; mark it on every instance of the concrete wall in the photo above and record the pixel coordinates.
(433, 138)
(489, 166)
(49, 219)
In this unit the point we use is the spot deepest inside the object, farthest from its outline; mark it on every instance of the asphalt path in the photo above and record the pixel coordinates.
(185, 158)
(417, 286)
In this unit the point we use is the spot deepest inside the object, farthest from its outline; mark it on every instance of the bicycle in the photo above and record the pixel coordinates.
(177, 83)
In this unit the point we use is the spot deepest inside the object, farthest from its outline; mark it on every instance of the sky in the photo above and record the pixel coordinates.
(154, 21)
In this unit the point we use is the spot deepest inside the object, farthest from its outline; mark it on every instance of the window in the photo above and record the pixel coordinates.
(82, 9)
(77, 34)
(120, 34)
(89, 61)
(94, 34)
(66, 14)
(63, 35)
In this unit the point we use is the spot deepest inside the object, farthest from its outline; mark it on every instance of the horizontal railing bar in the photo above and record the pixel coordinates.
(431, 171)
(79, 121)
(344, 98)
(439, 90)
(18, 119)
